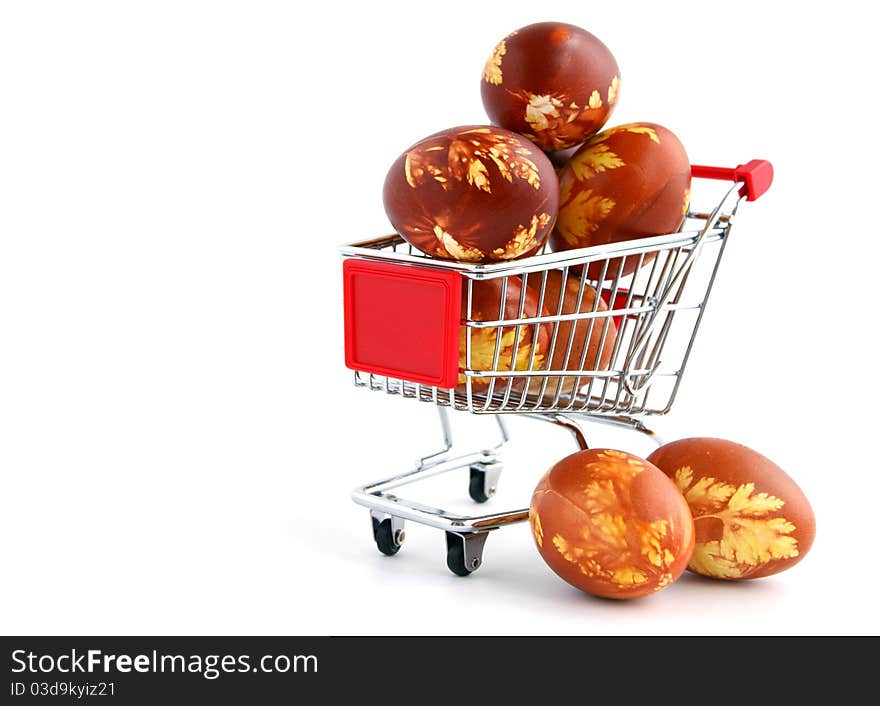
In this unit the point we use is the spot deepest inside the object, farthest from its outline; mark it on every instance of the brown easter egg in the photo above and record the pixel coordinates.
(630, 181)
(578, 345)
(474, 194)
(611, 524)
(751, 518)
(521, 347)
(552, 82)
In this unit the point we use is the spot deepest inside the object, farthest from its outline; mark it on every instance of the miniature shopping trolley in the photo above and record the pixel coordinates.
(410, 332)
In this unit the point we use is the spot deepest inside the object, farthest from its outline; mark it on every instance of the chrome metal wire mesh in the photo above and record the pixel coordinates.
(617, 344)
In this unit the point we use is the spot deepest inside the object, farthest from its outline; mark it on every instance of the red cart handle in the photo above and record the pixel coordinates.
(756, 176)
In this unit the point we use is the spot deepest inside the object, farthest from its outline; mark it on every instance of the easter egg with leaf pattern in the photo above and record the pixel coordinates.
(751, 518)
(630, 181)
(474, 194)
(522, 347)
(552, 82)
(611, 524)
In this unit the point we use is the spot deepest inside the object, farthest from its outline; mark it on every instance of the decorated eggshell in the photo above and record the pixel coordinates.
(521, 348)
(474, 194)
(611, 524)
(630, 181)
(600, 344)
(751, 518)
(552, 82)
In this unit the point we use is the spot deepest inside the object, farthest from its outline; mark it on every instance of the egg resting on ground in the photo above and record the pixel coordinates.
(600, 344)
(751, 518)
(611, 524)
(486, 305)
(630, 181)
(553, 82)
(473, 194)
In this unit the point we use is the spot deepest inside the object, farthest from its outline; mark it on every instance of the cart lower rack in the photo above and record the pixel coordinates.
(601, 333)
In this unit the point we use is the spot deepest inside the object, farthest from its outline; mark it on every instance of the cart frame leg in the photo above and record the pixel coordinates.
(465, 534)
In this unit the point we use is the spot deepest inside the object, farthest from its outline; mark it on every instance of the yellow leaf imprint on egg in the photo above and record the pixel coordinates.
(418, 167)
(683, 477)
(750, 537)
(537, 529)
(478, 176)
(466, 157)
(686, 202)
(707, 560)
(621, 456)
(539, 108)
(581, 214)
(483, 342)
(594, 159)
(450, 247)
(612, 90)
(634, 129)
(554, 119)
(492, 69)
(664, 581)
(644, 130)
(628, 576)
(614, 545)
(595, 100)
(524, 238)
(510, 155)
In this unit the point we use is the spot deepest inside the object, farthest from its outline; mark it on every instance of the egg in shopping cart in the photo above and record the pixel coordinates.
(473, 194)
(553, 82)
(611, 524)
(751, 519)
(630, 181)
(585, 344)
(521, 347)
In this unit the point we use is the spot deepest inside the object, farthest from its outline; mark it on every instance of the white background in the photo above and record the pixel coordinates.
(178, 433)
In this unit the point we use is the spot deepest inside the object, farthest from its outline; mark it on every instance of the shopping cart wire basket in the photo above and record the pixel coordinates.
(601, 333)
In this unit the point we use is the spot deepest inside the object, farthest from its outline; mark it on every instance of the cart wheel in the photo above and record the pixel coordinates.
(455, 556)
(477, 487)
(464, 552)
(484, 481)
(388, 539)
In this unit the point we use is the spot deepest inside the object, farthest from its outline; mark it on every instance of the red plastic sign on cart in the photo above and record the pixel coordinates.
(402, 321)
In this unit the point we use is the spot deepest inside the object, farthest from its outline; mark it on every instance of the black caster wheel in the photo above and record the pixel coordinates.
(455, 555)
(477, 487)
(483, 481)
(464, 553)
(388, 540)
